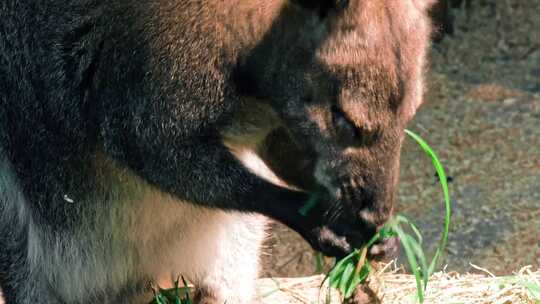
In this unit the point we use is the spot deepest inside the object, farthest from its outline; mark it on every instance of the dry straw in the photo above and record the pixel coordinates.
(392, 286)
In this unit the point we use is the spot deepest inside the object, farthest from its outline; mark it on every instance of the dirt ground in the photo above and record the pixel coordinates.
(482, 115)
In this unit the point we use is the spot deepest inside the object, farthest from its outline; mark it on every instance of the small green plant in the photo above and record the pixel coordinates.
(355, 268)
(174, 295)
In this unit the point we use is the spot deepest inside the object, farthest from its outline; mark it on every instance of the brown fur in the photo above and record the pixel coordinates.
(171, 93)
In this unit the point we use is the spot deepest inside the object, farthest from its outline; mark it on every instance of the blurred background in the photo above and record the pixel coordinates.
(482, 116)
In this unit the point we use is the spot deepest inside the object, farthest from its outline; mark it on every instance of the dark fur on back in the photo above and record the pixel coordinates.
(102, 102)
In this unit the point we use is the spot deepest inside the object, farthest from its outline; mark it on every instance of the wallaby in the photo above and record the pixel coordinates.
(132, 134)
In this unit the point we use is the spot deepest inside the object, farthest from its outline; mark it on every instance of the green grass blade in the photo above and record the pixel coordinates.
(446, 193)
(411, 258)
(385, 232)
(335, 274)
(357, 279)
(375, 238)
(403, 219)
(351, 285)
(319, 262)
(310, 204)
(346, 278)
(186, 290)
(421, 258)
(160, 299)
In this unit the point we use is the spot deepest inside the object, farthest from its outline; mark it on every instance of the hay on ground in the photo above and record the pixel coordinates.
(391, 286)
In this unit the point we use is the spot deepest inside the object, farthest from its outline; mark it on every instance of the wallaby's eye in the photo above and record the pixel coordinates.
(346, 132)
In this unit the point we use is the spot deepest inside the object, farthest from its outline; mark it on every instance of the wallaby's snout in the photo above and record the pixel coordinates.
(362, 184)
(349, 116)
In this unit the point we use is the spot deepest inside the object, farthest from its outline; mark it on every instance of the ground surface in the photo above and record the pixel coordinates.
(389, 287)
(482, 115)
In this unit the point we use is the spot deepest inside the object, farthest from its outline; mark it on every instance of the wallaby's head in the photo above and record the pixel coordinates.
(345, 77)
